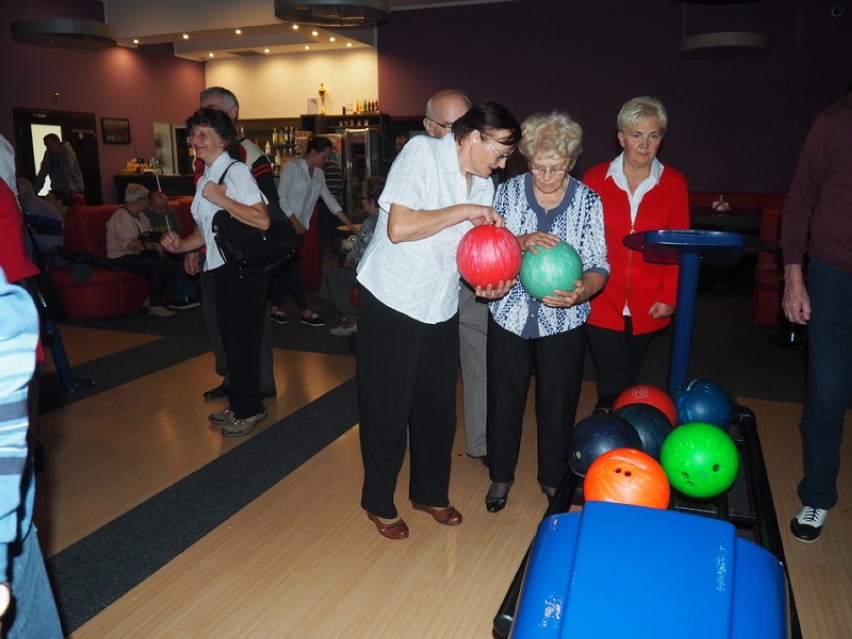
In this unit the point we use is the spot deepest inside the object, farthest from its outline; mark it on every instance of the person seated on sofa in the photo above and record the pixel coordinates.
(45, 221)
(337, 285)
(183, 291)
(128, 246)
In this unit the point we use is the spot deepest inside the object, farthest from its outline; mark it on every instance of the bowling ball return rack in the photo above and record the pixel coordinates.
(747, 505)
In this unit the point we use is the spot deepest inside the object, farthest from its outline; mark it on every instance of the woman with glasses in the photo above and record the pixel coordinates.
(547, 338)
(639, 194)
(408, 335)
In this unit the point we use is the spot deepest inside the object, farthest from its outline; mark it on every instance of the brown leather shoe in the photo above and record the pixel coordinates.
(394, 530)
(448, 516)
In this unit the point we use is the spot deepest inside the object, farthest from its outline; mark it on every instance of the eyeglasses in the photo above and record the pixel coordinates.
(555, 171)
(443, 125)
(501, 157)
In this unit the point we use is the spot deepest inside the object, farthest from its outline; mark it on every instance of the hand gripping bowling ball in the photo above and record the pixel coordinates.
(488, 254)
(700, 459)
(627, 476)
(703, 401)
(644, 394)
(597, 434)
(550, 270)
(650, 422)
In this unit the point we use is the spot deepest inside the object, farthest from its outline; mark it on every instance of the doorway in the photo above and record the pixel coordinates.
(31, 125)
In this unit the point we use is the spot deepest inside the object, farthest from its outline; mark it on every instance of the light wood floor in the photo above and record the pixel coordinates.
(302, 560)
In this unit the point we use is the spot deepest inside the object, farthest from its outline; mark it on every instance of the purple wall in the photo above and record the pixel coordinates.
(733, 125)
(146, 85)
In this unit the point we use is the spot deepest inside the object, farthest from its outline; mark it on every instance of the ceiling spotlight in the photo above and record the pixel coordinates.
(334, 13)
(135, 40)
(307, 48)
(295, 27)
(210, 55)
(332, 39)
(266, 50)
(315, 33)
(348, 44)
(238, 31)
(185, 36)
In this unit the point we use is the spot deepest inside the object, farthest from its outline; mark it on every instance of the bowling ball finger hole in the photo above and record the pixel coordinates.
(717, 468)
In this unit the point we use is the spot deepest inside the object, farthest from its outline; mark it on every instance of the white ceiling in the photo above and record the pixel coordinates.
(210, 27)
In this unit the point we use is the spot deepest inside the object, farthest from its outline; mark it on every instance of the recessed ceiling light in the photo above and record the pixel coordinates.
(266, 50)
(238, 31)
(295, 27)
(135, 40)
(307, 48)
(315, 33)
(185, 36)
(210, 55)
(332, 39)
(348, 44)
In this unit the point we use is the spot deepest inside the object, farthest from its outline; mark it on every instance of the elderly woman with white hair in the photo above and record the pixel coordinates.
(131, 245)
(542, 207)
(639, 194)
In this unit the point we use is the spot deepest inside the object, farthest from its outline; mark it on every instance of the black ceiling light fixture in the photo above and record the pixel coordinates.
(334, 13)
(722, 45)
(63, 33)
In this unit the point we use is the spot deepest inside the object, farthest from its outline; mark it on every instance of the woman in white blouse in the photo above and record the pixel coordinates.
(408, 334)
(302, 184)
(227, 183)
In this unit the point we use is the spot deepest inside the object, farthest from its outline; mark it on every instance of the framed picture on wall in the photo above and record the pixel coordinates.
(116, 130)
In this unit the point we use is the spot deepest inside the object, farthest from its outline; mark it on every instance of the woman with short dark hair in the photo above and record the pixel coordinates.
(408, 334)
(240, 299)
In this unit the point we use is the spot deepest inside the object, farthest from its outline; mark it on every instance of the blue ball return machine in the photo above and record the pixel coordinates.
(704, 568)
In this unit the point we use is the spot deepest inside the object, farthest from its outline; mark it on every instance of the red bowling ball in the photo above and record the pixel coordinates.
(488, 254)
(644, 394)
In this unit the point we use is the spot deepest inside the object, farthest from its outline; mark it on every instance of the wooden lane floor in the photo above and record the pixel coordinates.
(85, 344)
(302, 560)
(112, 451)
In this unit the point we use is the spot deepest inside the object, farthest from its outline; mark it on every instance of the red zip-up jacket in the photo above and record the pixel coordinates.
(631, 278)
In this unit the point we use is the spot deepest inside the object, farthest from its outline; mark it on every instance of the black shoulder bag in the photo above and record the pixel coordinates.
(249, 250)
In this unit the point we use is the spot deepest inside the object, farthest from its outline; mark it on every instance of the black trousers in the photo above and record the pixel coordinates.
(157, 271)
(407, 373)
(618, 356)
(241, 314)
(557, 362)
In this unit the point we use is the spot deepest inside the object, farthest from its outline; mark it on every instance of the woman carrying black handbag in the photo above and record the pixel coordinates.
(240, 298)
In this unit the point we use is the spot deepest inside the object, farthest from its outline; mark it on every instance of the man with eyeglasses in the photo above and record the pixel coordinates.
(442, 109)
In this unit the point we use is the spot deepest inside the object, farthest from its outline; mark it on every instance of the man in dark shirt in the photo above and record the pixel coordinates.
(817, 221)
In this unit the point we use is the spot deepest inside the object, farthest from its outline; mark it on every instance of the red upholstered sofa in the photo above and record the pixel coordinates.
(105, 292)
(109, 292)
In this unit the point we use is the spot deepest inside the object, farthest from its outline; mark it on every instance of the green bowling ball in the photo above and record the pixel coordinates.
(701, 460)
(550, 270)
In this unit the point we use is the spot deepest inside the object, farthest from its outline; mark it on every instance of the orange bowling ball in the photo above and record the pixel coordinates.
(627, 476)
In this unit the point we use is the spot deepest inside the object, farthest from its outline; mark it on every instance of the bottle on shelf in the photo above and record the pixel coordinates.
(267, 148)
(274, 136)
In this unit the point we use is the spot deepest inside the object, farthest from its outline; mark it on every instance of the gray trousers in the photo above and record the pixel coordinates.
(473, 340)
(208, 305)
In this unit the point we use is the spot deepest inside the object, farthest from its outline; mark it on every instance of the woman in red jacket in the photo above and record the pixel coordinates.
(639, 194)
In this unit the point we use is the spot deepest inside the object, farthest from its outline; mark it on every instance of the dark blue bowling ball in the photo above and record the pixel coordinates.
(703, 401)
(650, 422)
(597, 434)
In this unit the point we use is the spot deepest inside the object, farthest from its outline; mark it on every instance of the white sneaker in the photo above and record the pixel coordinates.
(240, 427)
(160, 311)
(807, 524)
(344, 331)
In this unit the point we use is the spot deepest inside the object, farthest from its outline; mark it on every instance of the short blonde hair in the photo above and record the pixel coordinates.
(134, 192)
(551, 135)
(641, 108)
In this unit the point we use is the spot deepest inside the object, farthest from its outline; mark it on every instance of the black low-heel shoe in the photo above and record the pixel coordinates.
(494, 504)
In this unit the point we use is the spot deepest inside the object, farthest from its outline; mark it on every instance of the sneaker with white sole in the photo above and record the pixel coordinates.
(240, 427)
(344, 331)
(278, 317)
(313, 320)
(222, 417)
(807, 524)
